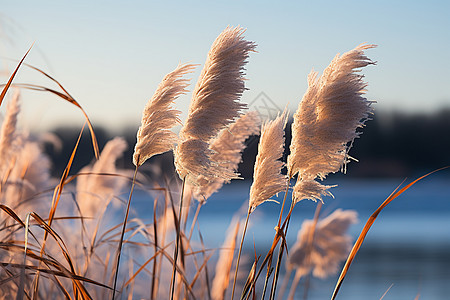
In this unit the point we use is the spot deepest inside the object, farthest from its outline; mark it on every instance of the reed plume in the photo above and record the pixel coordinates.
(326, 121)
(8, 133)
(227, 148)
(267, 177)
(311, 189)
(224, 264)
(154, 135)
(331, 244)
(214, 105)
(24, 169)
(99, 183)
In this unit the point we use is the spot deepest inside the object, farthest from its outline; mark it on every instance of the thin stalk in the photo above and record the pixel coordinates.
(310, 246)
(280, 254)
(239, 253)
(155, 233)
(175, 255)
(269, 272)
(281, 250)
(119, 250)
(194, 220)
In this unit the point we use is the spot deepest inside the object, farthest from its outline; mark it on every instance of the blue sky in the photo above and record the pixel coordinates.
(111, 55)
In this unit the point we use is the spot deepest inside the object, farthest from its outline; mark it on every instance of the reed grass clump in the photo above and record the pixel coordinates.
(82, 251)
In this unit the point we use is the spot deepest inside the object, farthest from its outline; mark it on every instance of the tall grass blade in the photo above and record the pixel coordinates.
(368, 225)
(239, 252)
(8, 84)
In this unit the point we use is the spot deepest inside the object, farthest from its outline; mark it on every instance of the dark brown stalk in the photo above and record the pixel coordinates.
(239, 253)
(175, 255)
(155, 233)
(194, 220)
(269, 272)
(119, 249)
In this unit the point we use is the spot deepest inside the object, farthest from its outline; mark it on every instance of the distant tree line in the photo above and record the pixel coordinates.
(391, 145)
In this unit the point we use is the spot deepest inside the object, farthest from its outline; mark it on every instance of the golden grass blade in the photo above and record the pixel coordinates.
(250, 278)
(12, 214)
(205, 261)
(64, 273)
(78, 287)
(144, 265)
(55, 200)
(59, 188)
(8, 84)
(66, 96)
(369, 224)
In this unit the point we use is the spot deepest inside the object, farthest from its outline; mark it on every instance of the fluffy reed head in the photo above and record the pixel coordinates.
(327, 118)
(95, 189)
(331, 244)
(215, 99)
(214, 105)
(310, 189)
(227, 148)
(267, 177)
(224, 264)
(8, 132)
(154, 135)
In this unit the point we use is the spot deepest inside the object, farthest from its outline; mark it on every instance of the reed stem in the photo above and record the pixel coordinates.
(175, 255)
(239, 253)
(119, 250)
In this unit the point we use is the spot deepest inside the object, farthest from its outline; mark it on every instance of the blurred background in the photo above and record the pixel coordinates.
(111, 56)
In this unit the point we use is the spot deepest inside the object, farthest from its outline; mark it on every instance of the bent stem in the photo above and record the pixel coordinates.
(119, 250)
(239, 253)
(175, 255)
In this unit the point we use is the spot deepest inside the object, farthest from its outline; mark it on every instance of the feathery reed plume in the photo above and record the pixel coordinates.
(331, 244)
(223, 266)
(214, 105)
(311, 189)
(227, 147)
(8, 132)
(24, 169)
(326, 121)
(154, 135)
(95, 188)
(267, 177)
